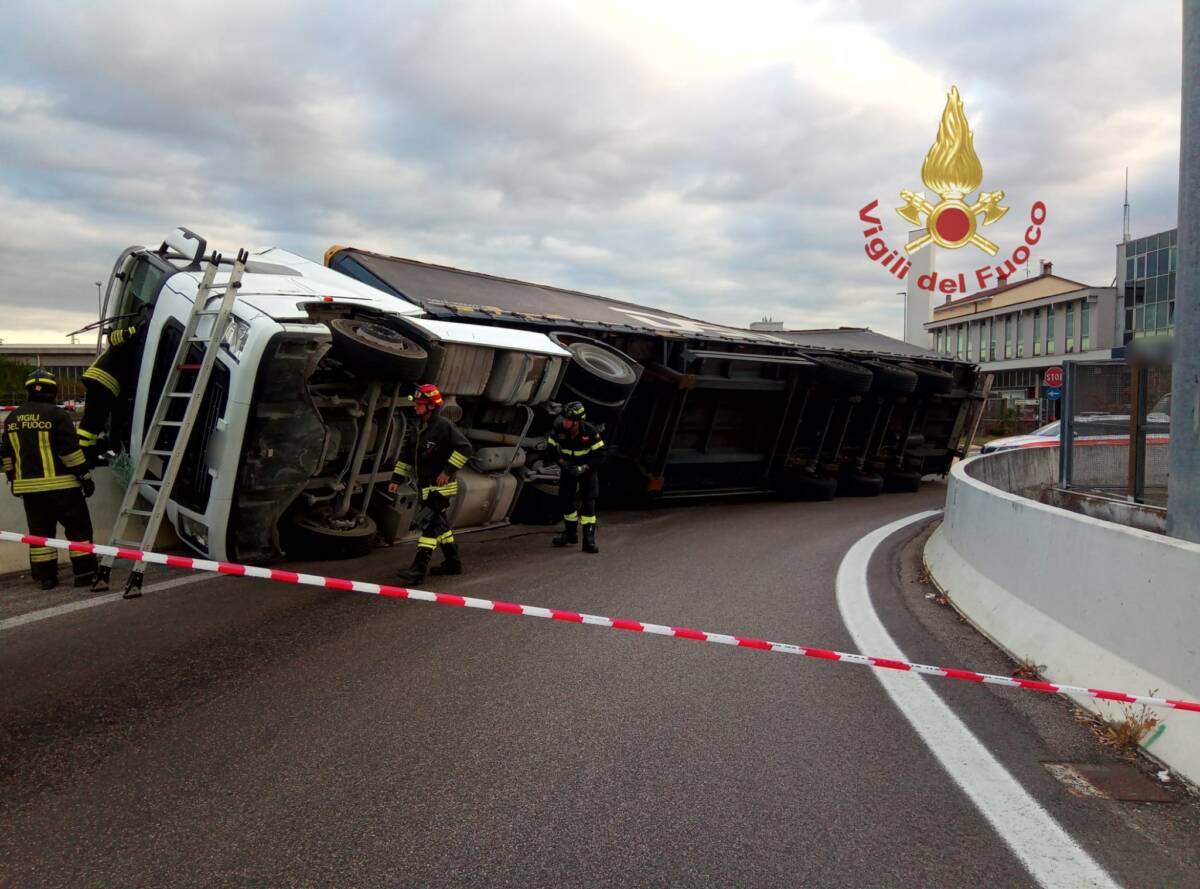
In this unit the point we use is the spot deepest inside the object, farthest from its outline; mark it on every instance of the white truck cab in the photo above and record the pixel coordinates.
(308, 405)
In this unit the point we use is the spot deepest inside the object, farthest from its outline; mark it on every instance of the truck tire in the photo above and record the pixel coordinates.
(891, 378)
(808, 487)
(860, 484)
(310, 536)
(840, 374)
(372, 349)
(930, 380)
(598, 371)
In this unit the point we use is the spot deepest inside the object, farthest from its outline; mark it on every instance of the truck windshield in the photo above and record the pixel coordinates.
(140, 288)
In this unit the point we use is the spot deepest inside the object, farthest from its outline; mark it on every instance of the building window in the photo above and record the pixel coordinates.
(1037, 331)
(959, 336)
(982, 340)
(1085, 338)
(1020, 341)
(970, 343)
(1008, 336)
(1050, 330)
(1070, 325)
(992, 339)
(939, 338)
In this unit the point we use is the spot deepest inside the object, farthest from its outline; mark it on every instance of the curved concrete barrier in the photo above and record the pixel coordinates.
(1100, 604)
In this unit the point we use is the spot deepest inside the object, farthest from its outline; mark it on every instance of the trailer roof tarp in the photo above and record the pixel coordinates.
(446, 292)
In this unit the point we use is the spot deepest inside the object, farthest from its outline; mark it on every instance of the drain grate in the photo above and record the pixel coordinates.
(1108, 780)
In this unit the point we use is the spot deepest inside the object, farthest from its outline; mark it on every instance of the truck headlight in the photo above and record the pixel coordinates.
(237, 333)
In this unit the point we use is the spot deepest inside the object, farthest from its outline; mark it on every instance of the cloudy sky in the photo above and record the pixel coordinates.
(708, 158)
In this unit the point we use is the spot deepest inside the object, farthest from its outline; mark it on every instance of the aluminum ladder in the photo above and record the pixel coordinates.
(152, 447)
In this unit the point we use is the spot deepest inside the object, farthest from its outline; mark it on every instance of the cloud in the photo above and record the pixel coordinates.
(702, 157)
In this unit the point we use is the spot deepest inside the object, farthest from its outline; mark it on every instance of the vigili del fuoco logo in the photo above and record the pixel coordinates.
(951, 171)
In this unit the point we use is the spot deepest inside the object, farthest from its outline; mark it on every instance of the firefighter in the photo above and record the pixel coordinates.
(579, 449)
(41, 458)
(441, 450)
(113, 371)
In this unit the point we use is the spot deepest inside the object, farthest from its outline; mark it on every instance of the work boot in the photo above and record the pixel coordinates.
(415, 573)
(85, 579)
(569, 535)
(589, 538)
(451, 564)
(48, 583)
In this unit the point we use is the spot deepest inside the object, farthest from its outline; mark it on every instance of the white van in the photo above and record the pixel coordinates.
(308, 404)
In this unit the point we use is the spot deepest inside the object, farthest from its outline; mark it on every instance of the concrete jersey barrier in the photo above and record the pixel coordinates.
(1090, 599)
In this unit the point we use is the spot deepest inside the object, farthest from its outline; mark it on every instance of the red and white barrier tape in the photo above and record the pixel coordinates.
(613, 623)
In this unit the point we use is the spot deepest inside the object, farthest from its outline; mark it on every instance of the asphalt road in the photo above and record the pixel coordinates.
(231, 732)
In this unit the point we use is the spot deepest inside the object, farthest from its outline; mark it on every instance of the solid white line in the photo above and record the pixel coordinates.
(33, 617)
(1047, 851)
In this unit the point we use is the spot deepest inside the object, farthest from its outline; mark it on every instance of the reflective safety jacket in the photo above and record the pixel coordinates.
(439, 446)
(584, 447)
(39, 451)
(119, 362)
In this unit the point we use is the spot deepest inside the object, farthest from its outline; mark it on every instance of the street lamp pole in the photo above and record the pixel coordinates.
(1183, 495)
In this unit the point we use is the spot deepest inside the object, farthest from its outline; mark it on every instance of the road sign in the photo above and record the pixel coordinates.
(1053, 376)
(1054, 393)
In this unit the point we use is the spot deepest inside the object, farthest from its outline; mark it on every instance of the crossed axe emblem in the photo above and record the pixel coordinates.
(951, 222)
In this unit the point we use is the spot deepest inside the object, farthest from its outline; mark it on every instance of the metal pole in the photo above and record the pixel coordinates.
(99, 317)
(1183, 494)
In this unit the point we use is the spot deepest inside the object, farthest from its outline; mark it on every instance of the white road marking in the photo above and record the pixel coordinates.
(67, 607)
(1047, 851)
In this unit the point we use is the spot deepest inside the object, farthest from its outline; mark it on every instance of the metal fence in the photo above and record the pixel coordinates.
(1116, 425)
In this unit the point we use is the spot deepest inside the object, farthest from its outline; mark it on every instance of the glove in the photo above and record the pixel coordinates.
(88, 486)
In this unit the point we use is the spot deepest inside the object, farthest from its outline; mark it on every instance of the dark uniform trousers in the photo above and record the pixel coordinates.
(44, 512)
(44, 465)
(583, 488)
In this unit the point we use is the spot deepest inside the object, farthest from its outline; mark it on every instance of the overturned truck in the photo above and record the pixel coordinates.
(308, 406)
(697, 409)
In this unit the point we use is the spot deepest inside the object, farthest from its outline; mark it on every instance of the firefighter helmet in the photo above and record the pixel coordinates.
(429, 394)
(574, 410)
(41, 382)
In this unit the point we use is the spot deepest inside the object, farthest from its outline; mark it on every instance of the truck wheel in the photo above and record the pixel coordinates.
(930, 380)
(902, 482)
(860, 484)
(598, 371)
(841, 374)
(891, 378)
(371, 349)
(310, 535)
(808, 487)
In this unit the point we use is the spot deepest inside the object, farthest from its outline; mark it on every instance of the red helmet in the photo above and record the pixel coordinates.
(429, 394)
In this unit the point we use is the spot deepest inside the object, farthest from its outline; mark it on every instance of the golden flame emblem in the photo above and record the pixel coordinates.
(952, 171)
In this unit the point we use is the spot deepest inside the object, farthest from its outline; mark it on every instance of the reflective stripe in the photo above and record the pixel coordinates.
(597, 446)
(42, 554)
(16, 449)
(571, 517)
(6, 465)
(551, 443)
(48, 470)
(402, 468)
(447, 490)
(587, 520)
(87, 438)
(104, 378)
(427, 543)
(78, 555)
(75, 458)
(448, 537)
(116, 337)
(458, 460)
(39, 485)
